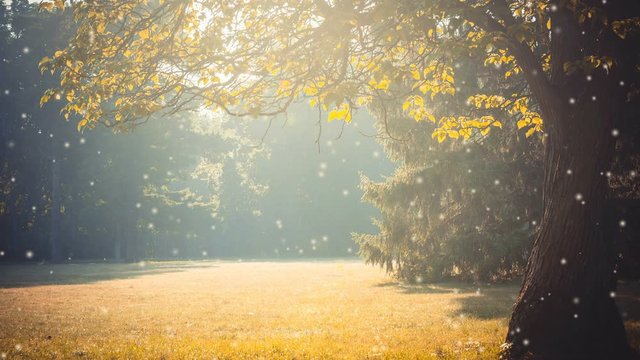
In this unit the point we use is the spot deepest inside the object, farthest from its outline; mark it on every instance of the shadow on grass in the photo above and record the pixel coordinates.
(39, 274)
(496, 301)
(482, 302)
(490, 303)
(423, 288)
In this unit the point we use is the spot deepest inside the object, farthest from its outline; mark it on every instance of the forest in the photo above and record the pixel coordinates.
(194, 188)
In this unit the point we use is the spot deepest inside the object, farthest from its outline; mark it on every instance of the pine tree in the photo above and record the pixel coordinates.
(462, 210)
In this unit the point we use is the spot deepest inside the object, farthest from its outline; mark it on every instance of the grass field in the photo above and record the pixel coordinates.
(220, 310)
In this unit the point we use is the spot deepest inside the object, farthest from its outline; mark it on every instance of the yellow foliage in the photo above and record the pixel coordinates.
(81, 124)
(343, 112)
(259, 57)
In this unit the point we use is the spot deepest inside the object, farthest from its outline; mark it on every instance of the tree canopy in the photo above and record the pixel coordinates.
(131, 59)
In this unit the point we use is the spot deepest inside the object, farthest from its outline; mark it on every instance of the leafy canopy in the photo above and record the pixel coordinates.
(131, 59)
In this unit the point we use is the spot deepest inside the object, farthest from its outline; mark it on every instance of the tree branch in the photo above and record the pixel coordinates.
(540, 86)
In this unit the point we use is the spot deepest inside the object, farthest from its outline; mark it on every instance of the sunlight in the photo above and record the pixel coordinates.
(319, 179)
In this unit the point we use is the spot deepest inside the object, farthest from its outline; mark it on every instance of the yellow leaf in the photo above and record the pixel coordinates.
(82, 123)
(537, 120)
(310, 90)
(285, 84)
(341, 113)
(101, 27)
(144, 34)
(45, 60)
(439, 134)
(333, 114)
(549, 24)
(522, 123)
(530, 132)
(383, 84)
(44, 99)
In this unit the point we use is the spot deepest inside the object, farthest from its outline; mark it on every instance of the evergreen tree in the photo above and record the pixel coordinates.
(463, 210)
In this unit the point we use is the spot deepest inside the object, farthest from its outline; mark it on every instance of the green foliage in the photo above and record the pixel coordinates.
(464, 210)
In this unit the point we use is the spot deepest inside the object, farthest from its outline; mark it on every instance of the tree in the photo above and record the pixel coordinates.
(27, 156)
(455, 210)
(459, 209)
(574, 61)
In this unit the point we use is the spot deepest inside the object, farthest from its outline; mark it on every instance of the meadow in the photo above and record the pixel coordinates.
(247, 310)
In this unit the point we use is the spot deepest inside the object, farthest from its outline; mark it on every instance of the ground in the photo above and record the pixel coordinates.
(229, 310)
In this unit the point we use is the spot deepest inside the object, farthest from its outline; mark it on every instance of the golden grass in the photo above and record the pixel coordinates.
(227, 310)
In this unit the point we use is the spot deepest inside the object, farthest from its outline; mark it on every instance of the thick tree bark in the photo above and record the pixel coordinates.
(566, 309)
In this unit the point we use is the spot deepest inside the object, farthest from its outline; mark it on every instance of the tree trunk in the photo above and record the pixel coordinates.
(54, 226)
(129, 240)
(566, 309)
(14, 244)
(117, 251)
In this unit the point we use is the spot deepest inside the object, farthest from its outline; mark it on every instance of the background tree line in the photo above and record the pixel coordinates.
(185, 186)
